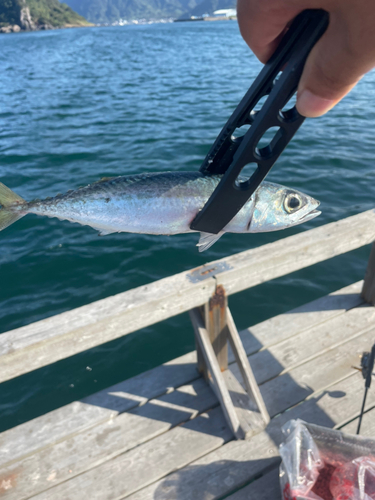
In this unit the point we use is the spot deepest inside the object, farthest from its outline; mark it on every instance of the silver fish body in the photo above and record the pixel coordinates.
(164, 203)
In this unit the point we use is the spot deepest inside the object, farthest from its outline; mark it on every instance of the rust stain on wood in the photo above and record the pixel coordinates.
(8, 482)
(218, 299)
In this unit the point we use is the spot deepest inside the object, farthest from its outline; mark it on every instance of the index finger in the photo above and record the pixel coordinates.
(262, 24)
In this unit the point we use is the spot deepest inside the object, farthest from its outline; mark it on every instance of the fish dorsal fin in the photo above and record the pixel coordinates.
(104, 232)
(103, 179)
(207, 240)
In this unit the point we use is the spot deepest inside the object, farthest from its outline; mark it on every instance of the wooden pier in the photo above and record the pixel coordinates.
(168, 434)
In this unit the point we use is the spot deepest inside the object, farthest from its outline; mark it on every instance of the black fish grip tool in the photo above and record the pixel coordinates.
(278, 80)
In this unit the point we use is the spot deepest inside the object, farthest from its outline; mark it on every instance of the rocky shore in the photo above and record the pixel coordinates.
(25, 21)
(39, 27)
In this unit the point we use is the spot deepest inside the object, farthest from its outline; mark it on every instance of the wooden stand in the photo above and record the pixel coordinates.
(244, 410)
(368, 290)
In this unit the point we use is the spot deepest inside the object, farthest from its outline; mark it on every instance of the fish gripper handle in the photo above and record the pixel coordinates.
(278, 80)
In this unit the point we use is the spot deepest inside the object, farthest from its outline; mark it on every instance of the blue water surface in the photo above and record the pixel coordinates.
(80, 104)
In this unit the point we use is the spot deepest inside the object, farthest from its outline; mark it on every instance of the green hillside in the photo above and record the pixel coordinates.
(108, 11)
(34, 14)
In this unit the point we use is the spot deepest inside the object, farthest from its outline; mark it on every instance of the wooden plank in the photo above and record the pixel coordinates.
(49, 428)
(265, 488)
(53, 465)
(301, 381)
(69, 333)
(367, 426)
(145, 464)
(237, 463)
(289, 389)
(150, 384)
(250, 419)
(99, 407)
(268, 486)
(281, 357)
(93, 410)
(368, 290)
(215, 320)
(201, 364)
(50, 340)
(216, 378)
(157, 380)
(286, 325)
(245, 370)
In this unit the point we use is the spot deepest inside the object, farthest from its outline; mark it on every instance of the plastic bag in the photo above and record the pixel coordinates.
(322, 464)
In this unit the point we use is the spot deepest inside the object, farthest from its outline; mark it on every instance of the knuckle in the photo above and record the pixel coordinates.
(329, 78)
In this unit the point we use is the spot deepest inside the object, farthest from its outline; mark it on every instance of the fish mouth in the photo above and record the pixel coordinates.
(311, 215)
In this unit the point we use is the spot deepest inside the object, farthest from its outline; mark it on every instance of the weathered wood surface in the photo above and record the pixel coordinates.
(268, 486)
(238, 462)
(85, 450)
(251, 415)
(244, 368)
(367, 426)
(215, 375)
(150, 384)
(288, 389)
(100, 407)
(279, 358)
(302, 318)
(279, 394)
(34, 440)
(127, 473)
(69, 333)
(215, 321)
(265, 488)
(251, 421)
(368, 290)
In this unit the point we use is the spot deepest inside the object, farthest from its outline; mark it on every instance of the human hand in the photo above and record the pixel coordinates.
(336, 63)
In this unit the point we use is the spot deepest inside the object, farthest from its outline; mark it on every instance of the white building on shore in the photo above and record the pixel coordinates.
(226, 13)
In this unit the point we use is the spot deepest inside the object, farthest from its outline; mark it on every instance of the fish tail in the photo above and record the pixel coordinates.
(8, 201)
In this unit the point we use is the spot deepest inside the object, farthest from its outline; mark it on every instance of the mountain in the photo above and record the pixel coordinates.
(209, 6)
(108, 11)
(37, 14)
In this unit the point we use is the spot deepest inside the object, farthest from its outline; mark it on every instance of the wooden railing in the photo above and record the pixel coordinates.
(52, 339)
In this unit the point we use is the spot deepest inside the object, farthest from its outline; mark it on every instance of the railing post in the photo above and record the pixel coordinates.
(243, 406)
(215, 316)
(368, 289)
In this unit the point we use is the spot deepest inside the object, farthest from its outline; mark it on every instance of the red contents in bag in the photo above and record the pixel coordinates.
(286, 493)
(323, 464)
(321, 486)
(345, 480)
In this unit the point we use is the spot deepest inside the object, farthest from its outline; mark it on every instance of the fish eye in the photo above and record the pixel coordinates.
(292, 203)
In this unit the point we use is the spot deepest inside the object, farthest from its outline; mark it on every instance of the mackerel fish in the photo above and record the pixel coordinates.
(161, 203)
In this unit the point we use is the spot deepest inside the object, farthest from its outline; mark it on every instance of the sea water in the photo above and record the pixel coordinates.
(80, 104)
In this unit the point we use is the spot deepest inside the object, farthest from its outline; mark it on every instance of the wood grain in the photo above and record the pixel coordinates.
(238, 462)
(69, 333)
(322, 374)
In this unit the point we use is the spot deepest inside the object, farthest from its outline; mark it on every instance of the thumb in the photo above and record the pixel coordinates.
(334, 66)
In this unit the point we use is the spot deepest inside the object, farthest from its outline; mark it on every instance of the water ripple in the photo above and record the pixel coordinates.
(83, 104)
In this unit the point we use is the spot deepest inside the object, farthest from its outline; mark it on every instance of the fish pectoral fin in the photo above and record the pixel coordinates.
(206, 240)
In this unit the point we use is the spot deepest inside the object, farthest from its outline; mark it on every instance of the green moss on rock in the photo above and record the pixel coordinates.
(38, 14)
(54, 13)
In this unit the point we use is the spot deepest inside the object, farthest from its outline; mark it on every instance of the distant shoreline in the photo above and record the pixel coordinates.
(15, 28)
(44, 27)
(210, 18)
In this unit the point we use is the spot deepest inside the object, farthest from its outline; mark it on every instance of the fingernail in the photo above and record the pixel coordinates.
(311, 105)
